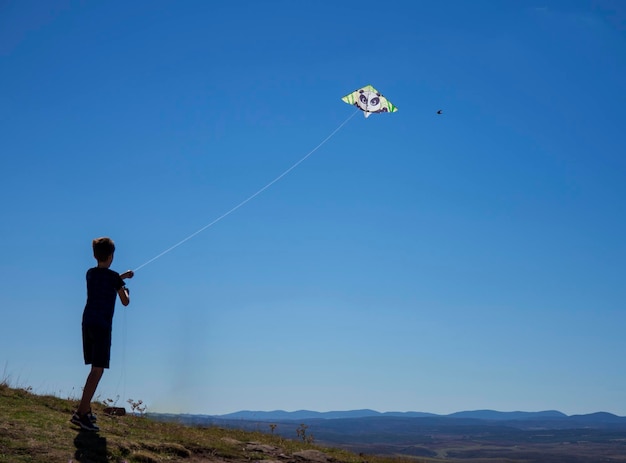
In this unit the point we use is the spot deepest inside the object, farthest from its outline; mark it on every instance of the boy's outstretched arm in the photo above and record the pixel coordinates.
(123, 293)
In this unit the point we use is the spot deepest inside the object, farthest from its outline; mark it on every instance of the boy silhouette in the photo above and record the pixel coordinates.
(103, 287)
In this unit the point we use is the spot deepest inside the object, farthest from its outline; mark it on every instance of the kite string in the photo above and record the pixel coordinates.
(122, 378)
(251, 197)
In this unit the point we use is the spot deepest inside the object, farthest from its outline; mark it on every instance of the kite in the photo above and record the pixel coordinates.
(369, 100)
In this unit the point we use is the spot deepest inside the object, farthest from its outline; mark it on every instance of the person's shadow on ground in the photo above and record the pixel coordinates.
(90, 447)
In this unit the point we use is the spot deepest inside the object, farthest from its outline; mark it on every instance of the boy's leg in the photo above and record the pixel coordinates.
(97, 352)
(90, 389)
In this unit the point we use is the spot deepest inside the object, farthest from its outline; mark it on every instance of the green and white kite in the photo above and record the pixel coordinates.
(369, 100)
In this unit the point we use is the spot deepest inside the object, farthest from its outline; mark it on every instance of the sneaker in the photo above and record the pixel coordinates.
(92, 416)
(84, 422)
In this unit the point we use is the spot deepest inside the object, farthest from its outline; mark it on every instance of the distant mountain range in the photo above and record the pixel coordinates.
(308, 415)
(486, 415)
(362, 420)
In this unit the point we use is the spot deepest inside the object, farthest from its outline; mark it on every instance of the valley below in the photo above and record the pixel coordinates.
(532, 439)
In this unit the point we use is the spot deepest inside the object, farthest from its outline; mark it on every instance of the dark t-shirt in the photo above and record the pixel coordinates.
(102, 287)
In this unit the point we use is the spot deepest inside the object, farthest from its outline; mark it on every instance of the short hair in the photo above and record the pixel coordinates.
(102, 248)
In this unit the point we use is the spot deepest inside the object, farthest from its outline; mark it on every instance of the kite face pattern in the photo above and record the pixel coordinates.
(370, 101)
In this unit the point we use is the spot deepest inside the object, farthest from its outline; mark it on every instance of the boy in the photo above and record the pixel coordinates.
(103, 284)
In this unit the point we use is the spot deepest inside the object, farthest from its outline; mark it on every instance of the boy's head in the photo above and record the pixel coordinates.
(103, 248)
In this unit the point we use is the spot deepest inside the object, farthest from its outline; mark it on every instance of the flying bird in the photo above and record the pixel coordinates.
(440, 111)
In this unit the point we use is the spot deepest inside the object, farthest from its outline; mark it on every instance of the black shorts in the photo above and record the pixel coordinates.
(97, 346)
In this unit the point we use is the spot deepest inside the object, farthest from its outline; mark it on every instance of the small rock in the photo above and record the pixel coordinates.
(231, 441)
(255, 447)
(313, 455)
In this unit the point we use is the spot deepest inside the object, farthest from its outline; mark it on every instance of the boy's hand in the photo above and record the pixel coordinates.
(127, 274)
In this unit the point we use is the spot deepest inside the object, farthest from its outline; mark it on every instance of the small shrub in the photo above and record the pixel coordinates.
(302, 434)
(137, 407)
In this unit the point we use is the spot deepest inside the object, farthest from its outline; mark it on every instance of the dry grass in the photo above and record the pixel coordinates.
(36, 429)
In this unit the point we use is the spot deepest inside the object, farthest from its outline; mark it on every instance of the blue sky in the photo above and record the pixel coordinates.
(470, 260)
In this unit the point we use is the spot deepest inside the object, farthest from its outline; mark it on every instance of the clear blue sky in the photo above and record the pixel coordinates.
(470, 260)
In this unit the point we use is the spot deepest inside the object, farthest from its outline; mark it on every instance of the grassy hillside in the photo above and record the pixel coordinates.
(36, 429)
